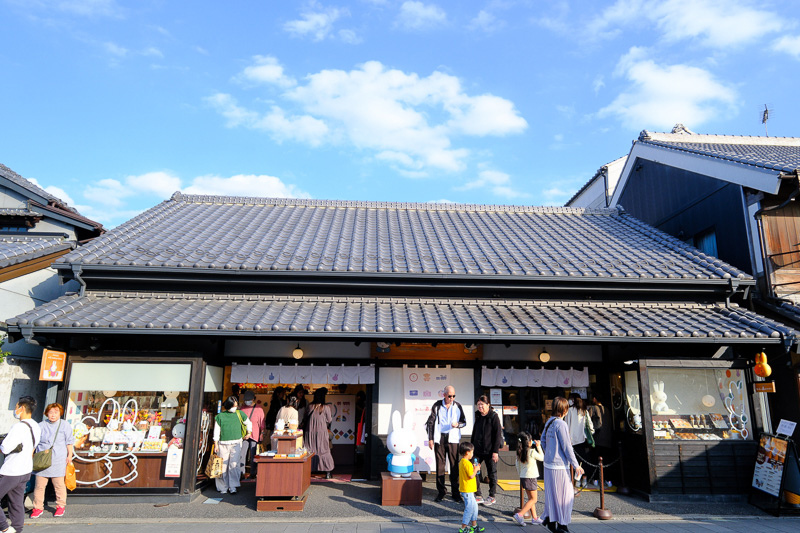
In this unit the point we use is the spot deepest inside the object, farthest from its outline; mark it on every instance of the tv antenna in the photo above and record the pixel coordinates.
(765, 115)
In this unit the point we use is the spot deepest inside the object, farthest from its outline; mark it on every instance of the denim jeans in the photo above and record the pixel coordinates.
(470, 508)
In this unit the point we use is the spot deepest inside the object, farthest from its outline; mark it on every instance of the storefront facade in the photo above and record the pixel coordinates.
(359, 296)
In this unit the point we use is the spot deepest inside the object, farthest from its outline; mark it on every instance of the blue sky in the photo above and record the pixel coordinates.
(114, 105)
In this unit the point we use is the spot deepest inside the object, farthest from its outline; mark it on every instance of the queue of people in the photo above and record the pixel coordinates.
(239, 431)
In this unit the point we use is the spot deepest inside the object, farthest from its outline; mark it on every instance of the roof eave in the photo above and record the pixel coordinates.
(758, 178)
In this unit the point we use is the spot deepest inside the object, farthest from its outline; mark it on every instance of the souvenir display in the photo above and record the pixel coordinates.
(683, 407)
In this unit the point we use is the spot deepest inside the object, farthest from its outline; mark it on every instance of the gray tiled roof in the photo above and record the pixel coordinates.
(264, 234)
(17, 212)
(397, 317)
(775, 153)
(18, 249)
(32, 187)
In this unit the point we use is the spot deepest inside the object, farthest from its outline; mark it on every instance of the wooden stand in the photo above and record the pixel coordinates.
(287, 443)
(281, 483)
(401, 490)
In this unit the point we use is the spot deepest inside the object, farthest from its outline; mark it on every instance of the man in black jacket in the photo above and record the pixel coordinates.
(487, 437)
(444, 434)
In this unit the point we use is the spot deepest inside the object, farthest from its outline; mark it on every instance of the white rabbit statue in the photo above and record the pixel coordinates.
(401, 445)
(660, 398)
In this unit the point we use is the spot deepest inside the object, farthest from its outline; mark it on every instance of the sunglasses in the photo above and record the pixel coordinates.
(451, 395)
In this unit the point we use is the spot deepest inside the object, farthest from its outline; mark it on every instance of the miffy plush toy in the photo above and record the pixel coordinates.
(401, 445)
(659, 398)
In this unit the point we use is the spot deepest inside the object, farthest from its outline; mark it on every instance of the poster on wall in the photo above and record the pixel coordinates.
(52, 366)
(343, 424)
(422, 386)
(769, 464)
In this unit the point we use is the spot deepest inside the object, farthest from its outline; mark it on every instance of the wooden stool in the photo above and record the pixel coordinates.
(401, 490)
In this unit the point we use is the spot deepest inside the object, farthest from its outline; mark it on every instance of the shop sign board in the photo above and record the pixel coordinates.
(770, 459)
(764, 386)
(172, 467)
(786, 427)
(52, 367)
(496, 396)
(422, 386)
(343, 411)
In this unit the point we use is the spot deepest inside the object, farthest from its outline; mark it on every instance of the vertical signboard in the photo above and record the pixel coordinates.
(52, 368)
(422, 386)
(769, 465)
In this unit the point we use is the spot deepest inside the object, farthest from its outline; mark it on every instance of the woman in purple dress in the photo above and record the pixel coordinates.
(558, 456)
(318, 418)
(56, 433)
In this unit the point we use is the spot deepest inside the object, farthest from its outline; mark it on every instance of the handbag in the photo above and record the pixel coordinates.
(214, 466)
(241, 422)
(44, 459)
(70, 479)
(588, 432)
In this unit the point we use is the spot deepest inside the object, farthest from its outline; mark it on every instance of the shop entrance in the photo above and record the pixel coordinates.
(347, 403)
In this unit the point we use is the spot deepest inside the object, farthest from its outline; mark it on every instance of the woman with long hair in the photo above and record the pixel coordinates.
(558, 457)
(318, 418)
(579, 423)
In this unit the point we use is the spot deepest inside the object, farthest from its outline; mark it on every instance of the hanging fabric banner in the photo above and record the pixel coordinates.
(366, 375)
(422, 386)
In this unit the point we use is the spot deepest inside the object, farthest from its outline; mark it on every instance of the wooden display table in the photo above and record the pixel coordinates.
(286, 442)
(401, 490)
(281, 483)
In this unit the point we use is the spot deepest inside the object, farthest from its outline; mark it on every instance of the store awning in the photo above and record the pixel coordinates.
(396, 318)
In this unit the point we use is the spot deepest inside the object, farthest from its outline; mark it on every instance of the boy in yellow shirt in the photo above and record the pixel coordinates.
(467, 486)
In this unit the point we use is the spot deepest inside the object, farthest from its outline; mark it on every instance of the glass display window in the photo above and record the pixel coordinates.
(129, 423)
(632, 401)
(699, 404)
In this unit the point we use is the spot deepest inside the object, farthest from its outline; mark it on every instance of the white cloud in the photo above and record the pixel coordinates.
(713, 23)
(115, 49)
(152, 51)
(267, 70)
(110, 200)
(499, 183)
(115, 192)
(663, 95)
(349, 37)
(598, 84)
(244, 185)
(404, 120)
(555, 196)
(316, 22)
(789, 44)
(419, 16)
(83, 8)
(486, 22)
(58, 192)
(301, 128)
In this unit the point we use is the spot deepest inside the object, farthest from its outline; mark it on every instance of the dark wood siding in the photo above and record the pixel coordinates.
(685, 204)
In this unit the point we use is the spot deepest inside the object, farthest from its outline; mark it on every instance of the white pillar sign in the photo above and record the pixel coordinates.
(422, 386)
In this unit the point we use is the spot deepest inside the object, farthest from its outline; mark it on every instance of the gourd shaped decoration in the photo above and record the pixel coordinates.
(401, 445)
(659, 398)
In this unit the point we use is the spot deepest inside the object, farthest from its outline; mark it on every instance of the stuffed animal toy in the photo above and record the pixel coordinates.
(401, 445)
(660, 398)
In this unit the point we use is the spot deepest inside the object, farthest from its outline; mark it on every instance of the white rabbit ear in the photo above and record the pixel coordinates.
(408, 420)
(397, 424)
(655, 386)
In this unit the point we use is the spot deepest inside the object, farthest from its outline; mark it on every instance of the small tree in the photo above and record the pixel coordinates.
(3, 353)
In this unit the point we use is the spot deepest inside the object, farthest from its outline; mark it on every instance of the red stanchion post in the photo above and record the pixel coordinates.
(601, 513)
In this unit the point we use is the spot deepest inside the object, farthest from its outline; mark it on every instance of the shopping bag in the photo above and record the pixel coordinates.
(70, 479)
(214, 466)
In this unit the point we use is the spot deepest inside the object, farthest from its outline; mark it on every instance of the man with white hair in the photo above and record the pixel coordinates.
(444, 434)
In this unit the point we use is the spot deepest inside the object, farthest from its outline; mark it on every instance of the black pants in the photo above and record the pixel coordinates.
(14, 487)
(446, 449)
(491, 471)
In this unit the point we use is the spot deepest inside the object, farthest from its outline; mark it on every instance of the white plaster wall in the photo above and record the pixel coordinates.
(19, 375)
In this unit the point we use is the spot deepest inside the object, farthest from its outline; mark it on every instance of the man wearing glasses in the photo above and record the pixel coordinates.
(444, 433)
